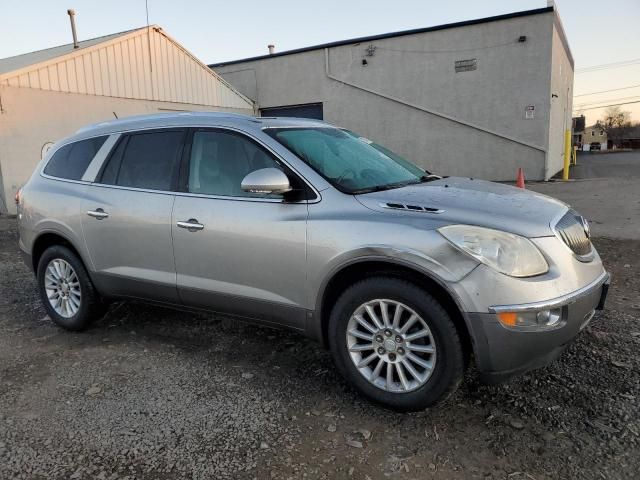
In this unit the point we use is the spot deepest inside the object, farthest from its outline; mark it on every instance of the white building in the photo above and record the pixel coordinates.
(49, 94)
(478, 98)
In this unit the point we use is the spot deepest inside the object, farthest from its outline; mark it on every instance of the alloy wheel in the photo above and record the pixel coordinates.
(391, 345)
(62, 287)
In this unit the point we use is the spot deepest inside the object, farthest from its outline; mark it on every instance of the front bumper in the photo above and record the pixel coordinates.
(502, 352)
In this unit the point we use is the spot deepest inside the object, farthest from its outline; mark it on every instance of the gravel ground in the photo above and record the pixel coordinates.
(157, 394)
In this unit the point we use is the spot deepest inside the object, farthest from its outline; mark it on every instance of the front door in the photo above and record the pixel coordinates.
(237, 252)
(127, 217)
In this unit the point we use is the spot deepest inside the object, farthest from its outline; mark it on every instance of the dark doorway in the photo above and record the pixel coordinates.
(308, 110)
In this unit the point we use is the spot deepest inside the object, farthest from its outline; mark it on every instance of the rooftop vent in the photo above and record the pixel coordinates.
(72, 18)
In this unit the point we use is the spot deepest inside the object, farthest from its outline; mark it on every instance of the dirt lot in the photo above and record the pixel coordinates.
(604, 187)
(157, 394)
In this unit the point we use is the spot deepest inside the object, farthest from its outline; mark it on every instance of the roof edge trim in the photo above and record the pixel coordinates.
(382, 36)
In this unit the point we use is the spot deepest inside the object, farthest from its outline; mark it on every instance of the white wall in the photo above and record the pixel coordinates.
(410, 98)
(29, 118)
(561, 102)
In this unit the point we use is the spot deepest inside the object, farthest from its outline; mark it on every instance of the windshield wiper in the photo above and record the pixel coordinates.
(429, 178)
(387, 186)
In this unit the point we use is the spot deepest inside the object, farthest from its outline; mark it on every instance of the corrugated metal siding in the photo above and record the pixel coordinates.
(123, 68)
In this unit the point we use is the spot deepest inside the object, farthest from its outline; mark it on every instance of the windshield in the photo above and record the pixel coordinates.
(350, 163)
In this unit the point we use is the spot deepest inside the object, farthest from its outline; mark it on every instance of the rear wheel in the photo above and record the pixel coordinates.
(396, 344)
(66, 290)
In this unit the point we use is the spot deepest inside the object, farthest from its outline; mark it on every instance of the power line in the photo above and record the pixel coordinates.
(456, 50)
(621, 63)
(606, 66)
(606, 91)
(589, 104)
(605, 106)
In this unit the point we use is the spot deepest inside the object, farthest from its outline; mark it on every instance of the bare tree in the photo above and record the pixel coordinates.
(615, 123)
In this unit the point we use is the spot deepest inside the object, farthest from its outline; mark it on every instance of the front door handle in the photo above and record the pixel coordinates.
(192, 225)
(98, 213)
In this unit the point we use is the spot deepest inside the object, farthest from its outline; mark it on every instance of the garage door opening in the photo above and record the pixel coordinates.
(308, 110)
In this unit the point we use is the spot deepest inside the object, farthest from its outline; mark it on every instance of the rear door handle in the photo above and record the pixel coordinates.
(98, 213)
(192, 225)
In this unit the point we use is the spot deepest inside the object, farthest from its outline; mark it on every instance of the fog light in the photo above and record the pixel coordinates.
(540, 319)
(548, 317)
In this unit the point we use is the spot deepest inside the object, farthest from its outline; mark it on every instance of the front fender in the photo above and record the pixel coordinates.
(442, 264)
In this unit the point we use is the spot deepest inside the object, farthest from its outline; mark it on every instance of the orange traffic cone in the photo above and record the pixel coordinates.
(520, 179)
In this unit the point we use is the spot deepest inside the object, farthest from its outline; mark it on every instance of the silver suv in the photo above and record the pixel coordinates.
(405, 276)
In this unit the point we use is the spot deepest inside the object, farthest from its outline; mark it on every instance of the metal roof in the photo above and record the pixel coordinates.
(144, 64)
(390, 35)
(17, 62)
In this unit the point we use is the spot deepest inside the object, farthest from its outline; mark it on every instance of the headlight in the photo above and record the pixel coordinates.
(505, 252)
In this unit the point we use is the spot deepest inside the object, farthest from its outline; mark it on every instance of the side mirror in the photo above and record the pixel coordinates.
(266, 180)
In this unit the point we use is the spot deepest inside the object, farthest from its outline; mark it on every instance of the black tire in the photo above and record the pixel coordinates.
(449, 367)
(91, 305)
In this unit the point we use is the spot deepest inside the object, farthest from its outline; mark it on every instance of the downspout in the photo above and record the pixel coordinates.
(427, 110)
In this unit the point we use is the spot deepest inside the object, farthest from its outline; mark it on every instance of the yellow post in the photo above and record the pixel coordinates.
(575, 154)
(567, 154)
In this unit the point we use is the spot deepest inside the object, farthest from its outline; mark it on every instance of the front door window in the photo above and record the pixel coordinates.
(220, 160)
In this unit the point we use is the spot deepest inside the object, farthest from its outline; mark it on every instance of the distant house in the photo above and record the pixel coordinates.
(594, 135)
(577, 128)
(49, 94)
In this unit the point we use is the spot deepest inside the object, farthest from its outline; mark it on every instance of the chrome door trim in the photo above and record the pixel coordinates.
(188, 194)
(144, 190)
(244, 199)
(67, 180)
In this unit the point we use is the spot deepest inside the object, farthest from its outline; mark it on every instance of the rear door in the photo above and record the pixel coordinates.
(127, 216)
(245, 253)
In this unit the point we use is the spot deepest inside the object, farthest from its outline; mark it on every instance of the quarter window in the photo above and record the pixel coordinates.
(145, 160)
(220, 160)
(71, 161)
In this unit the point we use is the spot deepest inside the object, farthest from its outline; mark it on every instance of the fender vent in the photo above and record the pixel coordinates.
(410, 207)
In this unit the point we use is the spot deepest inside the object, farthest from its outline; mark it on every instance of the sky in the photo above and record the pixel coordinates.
(598, 32)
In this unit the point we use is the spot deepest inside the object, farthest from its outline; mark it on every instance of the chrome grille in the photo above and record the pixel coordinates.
(571, 229)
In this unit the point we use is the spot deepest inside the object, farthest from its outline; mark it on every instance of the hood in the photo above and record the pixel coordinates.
(474, 202)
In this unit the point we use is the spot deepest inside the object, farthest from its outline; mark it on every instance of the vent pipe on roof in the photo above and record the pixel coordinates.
(72, 14)
(272, 49)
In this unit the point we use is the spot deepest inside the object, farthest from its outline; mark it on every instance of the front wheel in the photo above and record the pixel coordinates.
(396, 344)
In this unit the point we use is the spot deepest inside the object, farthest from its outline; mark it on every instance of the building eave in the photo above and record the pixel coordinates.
(402, 33)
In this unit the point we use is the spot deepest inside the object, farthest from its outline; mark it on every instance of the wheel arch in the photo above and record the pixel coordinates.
(359, 269)
(48, 239)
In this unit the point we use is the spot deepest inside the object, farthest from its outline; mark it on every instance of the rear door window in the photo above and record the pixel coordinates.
(147, 160)
(71, 161)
